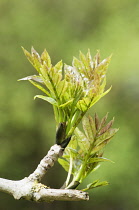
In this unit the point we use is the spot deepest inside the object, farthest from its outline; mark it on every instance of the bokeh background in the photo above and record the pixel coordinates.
(27, 127)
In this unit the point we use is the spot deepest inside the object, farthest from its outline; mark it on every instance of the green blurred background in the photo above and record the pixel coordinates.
(27, 128)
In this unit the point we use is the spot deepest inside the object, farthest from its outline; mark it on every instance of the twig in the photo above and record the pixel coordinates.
(47, 162)
(29, 188)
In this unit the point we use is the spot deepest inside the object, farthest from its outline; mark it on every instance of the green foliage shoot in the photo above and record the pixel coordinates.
(72, 91)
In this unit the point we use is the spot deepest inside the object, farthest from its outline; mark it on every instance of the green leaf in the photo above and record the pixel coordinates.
(99, 146)
(83, 104)
(74, 151)
(55, 76)
(95, 184)
(40, 87)
(107, 91)
(73, 143)
(102, 87)
(104, 183)
(107, 135)
(46, 60)
(48, 99)
(77, 64)
(66, 104)
(34, 78)
(89, 186)
(28, 55)
(99, 159)
(83, 142)
(97, 59)
(89, 57)
(98, 97)
(64, 163)
(59, 66)
(102, 67)
(83, 59)
(46, 79)
(88, 127)
(62, 87)
(104, 139)
(36, 59)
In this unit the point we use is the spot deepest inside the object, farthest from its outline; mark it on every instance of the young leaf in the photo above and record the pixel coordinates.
(97, 123)
(62, 87)
(46, 60)
(64, 163)
(99, 146)
(84, 60)
(99, 159)
(66, 104)
(107, 127)
(82, 140)
(34, 78)
(36, 59)
(28, 55)
(48, 99)
(95, 184)
(103, 121)
(76, 63)
(87, 126)
(83, 104)
(40, 87)
(73, 143)
(59, 66)
(107, 135)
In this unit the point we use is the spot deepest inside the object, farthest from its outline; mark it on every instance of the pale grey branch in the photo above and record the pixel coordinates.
(47, 162)
(29, 188)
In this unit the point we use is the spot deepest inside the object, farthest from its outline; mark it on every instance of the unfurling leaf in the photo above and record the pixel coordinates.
(73, 143)
(107, 135)
(59, 66)
(107, 127)
(64, 163)
(83, 104)
(66, 104)
(99, 159)
(82, 140)
(46, 60)
(34, 78)
(95, 184)
(89, 128)
(103, 121)
(48, 99)
(97, 123)
(28, 55)
(40, 87)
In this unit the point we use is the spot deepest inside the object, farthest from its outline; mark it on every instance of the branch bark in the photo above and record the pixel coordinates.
(30, 187)
(34, 191)
(47, 162)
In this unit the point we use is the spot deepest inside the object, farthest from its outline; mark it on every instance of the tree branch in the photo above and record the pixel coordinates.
(47, 162)
(29, 188)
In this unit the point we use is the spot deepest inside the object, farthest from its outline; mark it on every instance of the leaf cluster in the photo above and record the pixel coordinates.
(84, 153)
(71, 90)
